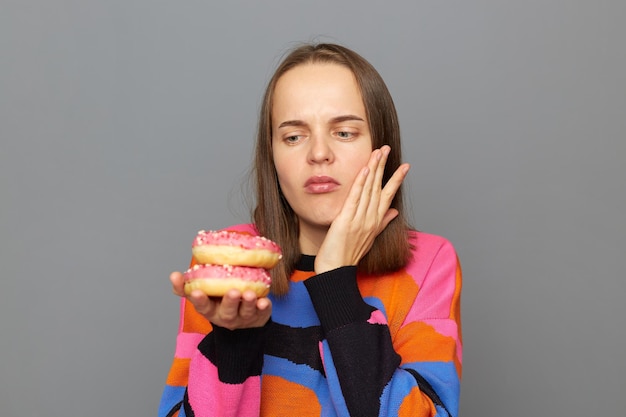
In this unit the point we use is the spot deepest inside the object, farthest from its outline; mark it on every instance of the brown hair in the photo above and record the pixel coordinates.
(273, 216)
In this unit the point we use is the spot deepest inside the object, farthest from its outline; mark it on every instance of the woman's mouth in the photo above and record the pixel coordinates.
(320, 184)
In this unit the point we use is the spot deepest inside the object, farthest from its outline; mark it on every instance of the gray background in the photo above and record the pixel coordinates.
(127, 125)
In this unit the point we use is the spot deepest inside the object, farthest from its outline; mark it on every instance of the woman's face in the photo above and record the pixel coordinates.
(320, 140)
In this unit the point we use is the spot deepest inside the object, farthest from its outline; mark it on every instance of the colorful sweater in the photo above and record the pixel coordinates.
(338, 344)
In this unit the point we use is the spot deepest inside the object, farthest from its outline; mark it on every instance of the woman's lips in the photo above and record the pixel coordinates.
(320, 184)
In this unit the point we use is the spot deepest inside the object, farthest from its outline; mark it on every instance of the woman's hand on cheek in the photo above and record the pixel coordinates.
(235, 310)
(365, 213)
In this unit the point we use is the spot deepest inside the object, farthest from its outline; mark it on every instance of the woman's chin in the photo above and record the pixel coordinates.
(319, 223)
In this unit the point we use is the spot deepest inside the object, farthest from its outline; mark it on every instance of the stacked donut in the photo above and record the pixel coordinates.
(228, 259)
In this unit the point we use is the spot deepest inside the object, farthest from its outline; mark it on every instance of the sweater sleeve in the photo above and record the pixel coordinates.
(215, 371)
(372, 372)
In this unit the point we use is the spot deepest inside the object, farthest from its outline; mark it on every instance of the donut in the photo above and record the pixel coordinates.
(235, 248)
(216, 280)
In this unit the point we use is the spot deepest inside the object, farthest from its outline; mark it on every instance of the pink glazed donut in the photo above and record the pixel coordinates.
(217, 280)
(235, 249)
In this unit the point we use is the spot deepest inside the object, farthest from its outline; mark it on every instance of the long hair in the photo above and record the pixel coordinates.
(274, 217)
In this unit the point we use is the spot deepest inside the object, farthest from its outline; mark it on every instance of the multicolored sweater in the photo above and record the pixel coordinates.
(338, 344)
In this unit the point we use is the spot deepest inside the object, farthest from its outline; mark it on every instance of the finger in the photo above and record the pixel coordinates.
(380, 172)
(263, 304)
(178, 283)
(354, 196)
(365, 195)
(202, 303)
(391, 214)
(229, 307)
(248, 305)
(373, 187)
(392, 187)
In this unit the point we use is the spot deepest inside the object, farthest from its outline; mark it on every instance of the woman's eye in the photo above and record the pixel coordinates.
(292, 139)
(345, 135)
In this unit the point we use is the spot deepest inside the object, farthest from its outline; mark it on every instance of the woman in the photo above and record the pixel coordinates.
(364, 314)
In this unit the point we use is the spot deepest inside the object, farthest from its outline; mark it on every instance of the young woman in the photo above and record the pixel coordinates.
(364, 314)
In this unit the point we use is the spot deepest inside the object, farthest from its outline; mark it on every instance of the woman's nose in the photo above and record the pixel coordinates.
(319, 149)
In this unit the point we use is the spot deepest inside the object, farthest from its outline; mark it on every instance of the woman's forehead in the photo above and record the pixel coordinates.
(317, 88)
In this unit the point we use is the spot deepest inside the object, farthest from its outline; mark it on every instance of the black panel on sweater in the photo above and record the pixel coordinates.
(299, 345)
(353, 356)
(237, 354)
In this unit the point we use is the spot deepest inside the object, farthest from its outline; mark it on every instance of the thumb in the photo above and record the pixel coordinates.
(391, 214)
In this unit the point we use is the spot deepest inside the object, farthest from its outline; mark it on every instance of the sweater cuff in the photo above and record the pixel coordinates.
(237, 354)
(336, 298)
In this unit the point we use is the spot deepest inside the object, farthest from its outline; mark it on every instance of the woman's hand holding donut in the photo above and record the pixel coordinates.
(235, 310)
(365, 213)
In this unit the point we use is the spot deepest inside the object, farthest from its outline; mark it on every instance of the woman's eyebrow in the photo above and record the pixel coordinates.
(346, 118)
(292, 123)
(338, 119)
